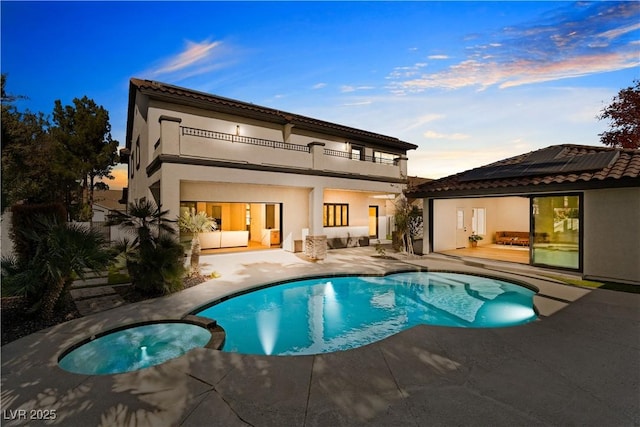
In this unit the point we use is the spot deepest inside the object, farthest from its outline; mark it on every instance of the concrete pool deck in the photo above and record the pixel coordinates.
(579, 364)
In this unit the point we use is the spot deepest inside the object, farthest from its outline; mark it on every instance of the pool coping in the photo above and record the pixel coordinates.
(404, 379)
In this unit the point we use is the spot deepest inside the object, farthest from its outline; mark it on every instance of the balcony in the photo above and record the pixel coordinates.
(220, 146)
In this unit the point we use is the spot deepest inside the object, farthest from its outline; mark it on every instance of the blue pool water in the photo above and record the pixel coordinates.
(134, 348)
(339, 313)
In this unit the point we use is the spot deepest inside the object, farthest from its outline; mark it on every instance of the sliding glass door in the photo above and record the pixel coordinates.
(555, 224)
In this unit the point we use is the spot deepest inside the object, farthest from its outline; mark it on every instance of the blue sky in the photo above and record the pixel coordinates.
(468, 82)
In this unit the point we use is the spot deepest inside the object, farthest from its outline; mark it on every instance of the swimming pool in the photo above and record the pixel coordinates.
(338, 313)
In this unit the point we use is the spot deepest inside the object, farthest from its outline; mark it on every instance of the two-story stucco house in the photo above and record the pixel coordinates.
(269, 178)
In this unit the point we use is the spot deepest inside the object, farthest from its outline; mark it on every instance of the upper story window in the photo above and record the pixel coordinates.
(385, 158)
(357, 152)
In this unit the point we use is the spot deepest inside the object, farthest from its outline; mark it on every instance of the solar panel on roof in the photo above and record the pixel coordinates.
(543, 162)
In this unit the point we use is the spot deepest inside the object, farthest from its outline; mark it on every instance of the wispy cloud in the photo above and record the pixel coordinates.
(422, 120)
(195, 59)
(319, 86)
(438, 57)
(352, 104)
(451, 136)
(577, 40)
(348, 88)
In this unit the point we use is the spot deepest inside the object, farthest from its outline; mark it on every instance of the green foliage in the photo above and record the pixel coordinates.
(196, 223)
(473, 237)
(624, 115)
(408, 222)
(154, 259)
(28, 154)
(26, 218)
(46, 162)
(144, 218)
(157, 269)
(83, 135)
(192, 222)
(61, 252)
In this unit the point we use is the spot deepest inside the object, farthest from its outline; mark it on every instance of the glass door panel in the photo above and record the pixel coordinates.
(556, 231)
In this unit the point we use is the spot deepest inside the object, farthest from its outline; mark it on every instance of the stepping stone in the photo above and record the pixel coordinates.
(84, 293)
(96, 281)
(96, 305)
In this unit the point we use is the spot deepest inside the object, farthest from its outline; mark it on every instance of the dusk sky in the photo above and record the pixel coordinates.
(468, 82)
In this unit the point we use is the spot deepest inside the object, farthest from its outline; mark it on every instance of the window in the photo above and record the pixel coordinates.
(478, 221)
(357, 152)
(336, 215)
(384, 158)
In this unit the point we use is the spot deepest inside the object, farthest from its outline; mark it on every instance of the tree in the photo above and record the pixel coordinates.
(402, 222)
(28, 156)
(196, 223)
(624, 115)
(83, 135)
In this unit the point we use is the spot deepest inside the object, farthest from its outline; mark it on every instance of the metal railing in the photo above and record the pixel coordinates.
(359, 156)
(243, 139)
(203, 133)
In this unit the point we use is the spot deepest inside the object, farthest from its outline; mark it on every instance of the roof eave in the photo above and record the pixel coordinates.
(527, 189)
(266, 114)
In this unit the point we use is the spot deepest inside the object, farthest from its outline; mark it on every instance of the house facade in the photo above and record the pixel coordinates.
(571, 207)
(268, 177)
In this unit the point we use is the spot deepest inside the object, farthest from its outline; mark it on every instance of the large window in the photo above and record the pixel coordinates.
(336, 215)
(555, 222)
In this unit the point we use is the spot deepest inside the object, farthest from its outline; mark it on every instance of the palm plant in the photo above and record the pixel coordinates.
(62, 252)
(196, 223)
(145, 219)
(154, 257)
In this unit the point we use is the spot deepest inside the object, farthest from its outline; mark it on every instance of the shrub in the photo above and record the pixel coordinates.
(61, 252)
(154, 259)
(30, 217)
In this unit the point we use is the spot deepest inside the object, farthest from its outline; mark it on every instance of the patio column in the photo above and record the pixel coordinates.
(315, 246)
(316, 204)
(426, 226)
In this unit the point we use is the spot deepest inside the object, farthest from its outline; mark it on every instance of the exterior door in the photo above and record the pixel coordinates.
(461, 229)
(556, 230)
(373, 222)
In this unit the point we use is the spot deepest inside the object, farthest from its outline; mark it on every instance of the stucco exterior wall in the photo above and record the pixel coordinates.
(612, 234)
(140, 153)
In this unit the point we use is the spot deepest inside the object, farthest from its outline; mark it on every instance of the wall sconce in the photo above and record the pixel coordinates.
(237, 130)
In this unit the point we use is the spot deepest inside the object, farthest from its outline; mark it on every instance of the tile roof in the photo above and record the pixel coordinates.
(245, 109)
(558, 167)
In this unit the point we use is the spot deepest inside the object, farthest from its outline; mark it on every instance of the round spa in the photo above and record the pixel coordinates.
(329, 314)
(135, 347)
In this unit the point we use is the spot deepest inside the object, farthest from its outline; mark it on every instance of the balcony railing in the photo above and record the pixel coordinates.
(243, 139)
(359, 156)
(202, 133)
